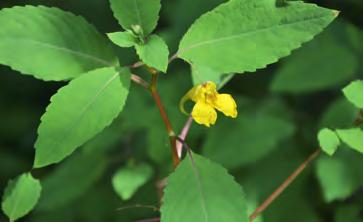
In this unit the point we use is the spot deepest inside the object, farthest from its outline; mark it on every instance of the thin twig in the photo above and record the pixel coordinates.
(292, 177)
(183, 135)
(140, 63)
(138, 80)
(136, 65)
(284, 185)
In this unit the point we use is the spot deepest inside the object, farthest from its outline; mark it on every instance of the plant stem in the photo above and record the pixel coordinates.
(297, 172)
(284, 185)
(138, 80)
(169, 128)
(183, 135)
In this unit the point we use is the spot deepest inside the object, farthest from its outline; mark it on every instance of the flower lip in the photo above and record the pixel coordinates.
(207, 100)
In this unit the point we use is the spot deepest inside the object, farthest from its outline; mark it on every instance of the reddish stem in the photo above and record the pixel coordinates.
(284, 185)
(164, 116)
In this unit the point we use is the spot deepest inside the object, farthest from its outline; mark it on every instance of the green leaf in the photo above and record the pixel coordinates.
(339, 114)
(202, 74)
(20, 196)
(51, 44)
(199, 191)
(328, 141)
(128, 180)
(133, 13)
(244, 35)
(320, 64)
(341, 176)
(296, 201)
(70, 180)
(352, 137)
(154, 53)
(355, 36)
(79, 111)
(354, 93)
(335, 178)
(253, 136)
(123, 39)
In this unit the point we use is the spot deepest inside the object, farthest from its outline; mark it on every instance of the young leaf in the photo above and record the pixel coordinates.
(20, 196)
(123, 39)
(127, 181)
(51, 44)
(71, 180)
(137, 13)
(79, 111)
(244, 35)
(354, 93)
(322, 63)
(328, 141)
(154, 53)
(199, 191)
(352, 137)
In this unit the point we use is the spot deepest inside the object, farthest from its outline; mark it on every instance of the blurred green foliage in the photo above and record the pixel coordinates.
(281, 109)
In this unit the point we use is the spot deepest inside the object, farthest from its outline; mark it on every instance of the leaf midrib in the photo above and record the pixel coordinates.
(251, 32)
(199, 184)
(17, 200)
(82, 113)
(138, 13)
(61, 48)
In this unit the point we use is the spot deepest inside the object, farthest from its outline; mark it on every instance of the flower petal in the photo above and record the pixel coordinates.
(203, 92)
(204, 114)
(226, 104)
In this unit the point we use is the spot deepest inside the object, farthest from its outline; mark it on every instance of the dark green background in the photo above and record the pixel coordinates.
(138, 135)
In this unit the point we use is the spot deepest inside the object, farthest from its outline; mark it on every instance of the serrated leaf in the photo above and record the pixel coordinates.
(142, 13)
(323, 63)
(244, 35)
(251, 136)
(352, 137)
(51, 44)
(79, 111)
(128, 180)
(328, 141)
(200, 191)
(354, 93)
(70, 180)
(154, 52)
(20, 196)
(123, 39)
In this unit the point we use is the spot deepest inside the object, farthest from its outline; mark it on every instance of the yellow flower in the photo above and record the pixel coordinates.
(207, 100)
